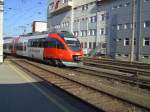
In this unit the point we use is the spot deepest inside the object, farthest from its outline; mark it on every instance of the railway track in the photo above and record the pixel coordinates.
(116, 76)
(122, 63)
(104, 97)
(139, 70)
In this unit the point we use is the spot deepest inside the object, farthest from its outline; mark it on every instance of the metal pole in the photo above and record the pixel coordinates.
(1, 31)
(96, 35)
(139, 28)
(98, 4)
(23, 28)
(133, 32)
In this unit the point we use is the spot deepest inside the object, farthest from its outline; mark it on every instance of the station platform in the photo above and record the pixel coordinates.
(20, 92)
(9, 74)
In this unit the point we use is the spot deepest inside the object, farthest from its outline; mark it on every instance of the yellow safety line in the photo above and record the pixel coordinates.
(38, 88)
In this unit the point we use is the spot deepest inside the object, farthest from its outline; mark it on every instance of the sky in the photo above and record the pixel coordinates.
(19, 15)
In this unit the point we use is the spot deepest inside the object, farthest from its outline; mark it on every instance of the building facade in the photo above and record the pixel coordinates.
(1, 31)
(104, 25)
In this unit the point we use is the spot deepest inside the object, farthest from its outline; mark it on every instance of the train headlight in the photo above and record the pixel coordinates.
(77, 58)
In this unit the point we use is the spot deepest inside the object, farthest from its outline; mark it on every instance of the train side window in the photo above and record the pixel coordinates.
(59, 45)
(41, 42)
(19, 46)
(51, 43)
(4, 46)
(10, 46)
(29, 43)
(54, 43)
(45, 44)
(35, 43)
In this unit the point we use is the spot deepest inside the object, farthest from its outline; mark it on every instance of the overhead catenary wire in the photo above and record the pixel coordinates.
(34, 12)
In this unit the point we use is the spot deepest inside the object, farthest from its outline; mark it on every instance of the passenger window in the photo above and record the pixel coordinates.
(54, 43)
(59, 45)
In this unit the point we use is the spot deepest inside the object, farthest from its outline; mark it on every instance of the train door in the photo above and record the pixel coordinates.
(25, 53)
(35, 49)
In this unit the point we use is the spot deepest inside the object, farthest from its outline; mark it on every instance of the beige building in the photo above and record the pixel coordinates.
(39, 26)
(1, 31)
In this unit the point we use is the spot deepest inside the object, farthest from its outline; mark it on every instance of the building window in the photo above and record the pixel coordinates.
(107, 15)
(126, 41)
(114, 27)
(119, 6)
(93, 19)
(106, 31)
(145, 57)
(146, 41)
(126, 55)
(76, 33)
(94, 45)
(146, 0)
(85, 33)
(90, 45)
(67, 23)
(102, 17)
(81, 33)
(102, 31)
(84, 7)
(134, 41)
(147, 24)
(64, 1)
(114, 7)
(82, 44)
(127, 4)
(127, 26)
(92, 32)
(118, 39)
(85, 45)
(119, 26)
(118, 54)
(104, 45)
(51, 6)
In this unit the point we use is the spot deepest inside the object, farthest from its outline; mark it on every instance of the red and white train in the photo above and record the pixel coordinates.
(59, 48)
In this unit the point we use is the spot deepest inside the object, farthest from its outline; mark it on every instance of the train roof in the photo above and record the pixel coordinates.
(61, 33)
(5, 38)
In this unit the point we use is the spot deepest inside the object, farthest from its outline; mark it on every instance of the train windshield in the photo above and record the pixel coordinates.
(71, 40)
(73, 43)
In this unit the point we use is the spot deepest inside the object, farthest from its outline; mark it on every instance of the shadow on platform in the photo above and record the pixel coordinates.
(25, 97)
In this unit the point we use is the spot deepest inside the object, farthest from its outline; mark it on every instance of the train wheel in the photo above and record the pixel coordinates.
(58, 63)
(53, 62)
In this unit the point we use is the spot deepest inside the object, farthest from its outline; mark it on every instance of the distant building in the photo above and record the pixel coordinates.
(1, 31)
(39, 26)
(104, 25)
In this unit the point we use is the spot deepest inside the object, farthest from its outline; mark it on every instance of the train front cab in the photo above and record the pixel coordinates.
(58, 48)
